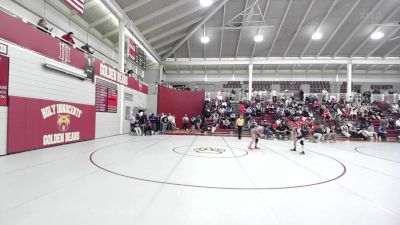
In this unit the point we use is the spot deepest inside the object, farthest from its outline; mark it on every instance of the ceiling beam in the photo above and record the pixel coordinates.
(100, 21)
(368, 37)
(259, 29)
(114, 8)
(386, 68)
(370, 13)
(169, 41)
(240, 31)
(338, 27)
(171, 20)
(299, 28)
(199, 25)
(222, 36)
(286, 61)
(319, 27)
(392, 50)
(135, 5)
(280, 27)
(161, 11)
(163, 51)
(384, 41)
(111, 33)
(174, 30)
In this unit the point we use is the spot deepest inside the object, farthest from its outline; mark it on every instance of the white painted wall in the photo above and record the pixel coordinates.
(29, 78)
(33, 10)
(108, 124)
(3, 130)
(139, 101)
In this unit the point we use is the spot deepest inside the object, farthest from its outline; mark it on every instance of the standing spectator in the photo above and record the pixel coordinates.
(164, 123)
(153, 121)
(273, 94)
(185, 122)
(69, 38)
(198, 122)
(42, 25)
(301, 95)
(193, 123)
(132, 120)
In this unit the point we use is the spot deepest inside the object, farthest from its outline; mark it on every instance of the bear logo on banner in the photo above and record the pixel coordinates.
(63, 122)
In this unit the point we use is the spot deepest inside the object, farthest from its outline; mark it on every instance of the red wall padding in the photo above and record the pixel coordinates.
(27, 127)
(180, 103)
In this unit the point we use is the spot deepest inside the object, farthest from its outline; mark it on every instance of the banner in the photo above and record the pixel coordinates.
(105, 71)
(4, 70)
(36, 123)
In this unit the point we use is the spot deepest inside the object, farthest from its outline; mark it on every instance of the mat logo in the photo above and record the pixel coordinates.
(63, 122)
(211, 150)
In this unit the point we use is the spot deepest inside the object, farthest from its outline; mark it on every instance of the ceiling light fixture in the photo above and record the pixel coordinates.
(316, 36)
(258, 38)
(206, 3)
(377, 35)
(205, 39)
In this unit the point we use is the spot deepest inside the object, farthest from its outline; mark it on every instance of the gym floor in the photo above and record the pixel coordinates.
(184, 180)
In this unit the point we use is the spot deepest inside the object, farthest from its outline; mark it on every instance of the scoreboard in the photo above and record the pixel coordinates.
(136, 54)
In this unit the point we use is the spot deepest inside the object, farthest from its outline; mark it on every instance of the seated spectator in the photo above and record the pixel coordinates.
(42, 25)
(214, 128)
(317, 135)
(69, 38)
(397, 124)
(382, 133)
(282, 131)
(87, 48)
(330, 134)
(147, 128)
(345, 130)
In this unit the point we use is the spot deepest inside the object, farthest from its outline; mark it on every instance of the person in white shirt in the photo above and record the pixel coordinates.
(397, 123)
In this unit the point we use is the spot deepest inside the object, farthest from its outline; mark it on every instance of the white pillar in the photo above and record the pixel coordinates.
(250, 81)
(121, 65)
(161, 72)
(349, 74)
(121, 47)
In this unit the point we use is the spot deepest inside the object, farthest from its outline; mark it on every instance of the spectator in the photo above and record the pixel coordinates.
(239, 124)
(153, 120)
(397, 124)
(69, 38)
(87, 48)
(198, 122)
(42, 25)
(185, 122)
(345, 130)
(132, 120)
(273, 94)
(382, 132)
(164, 123)
(317, 135)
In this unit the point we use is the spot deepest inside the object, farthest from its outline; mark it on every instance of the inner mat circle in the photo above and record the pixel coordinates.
(388, 152)
(210, 151)
(264, 169)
